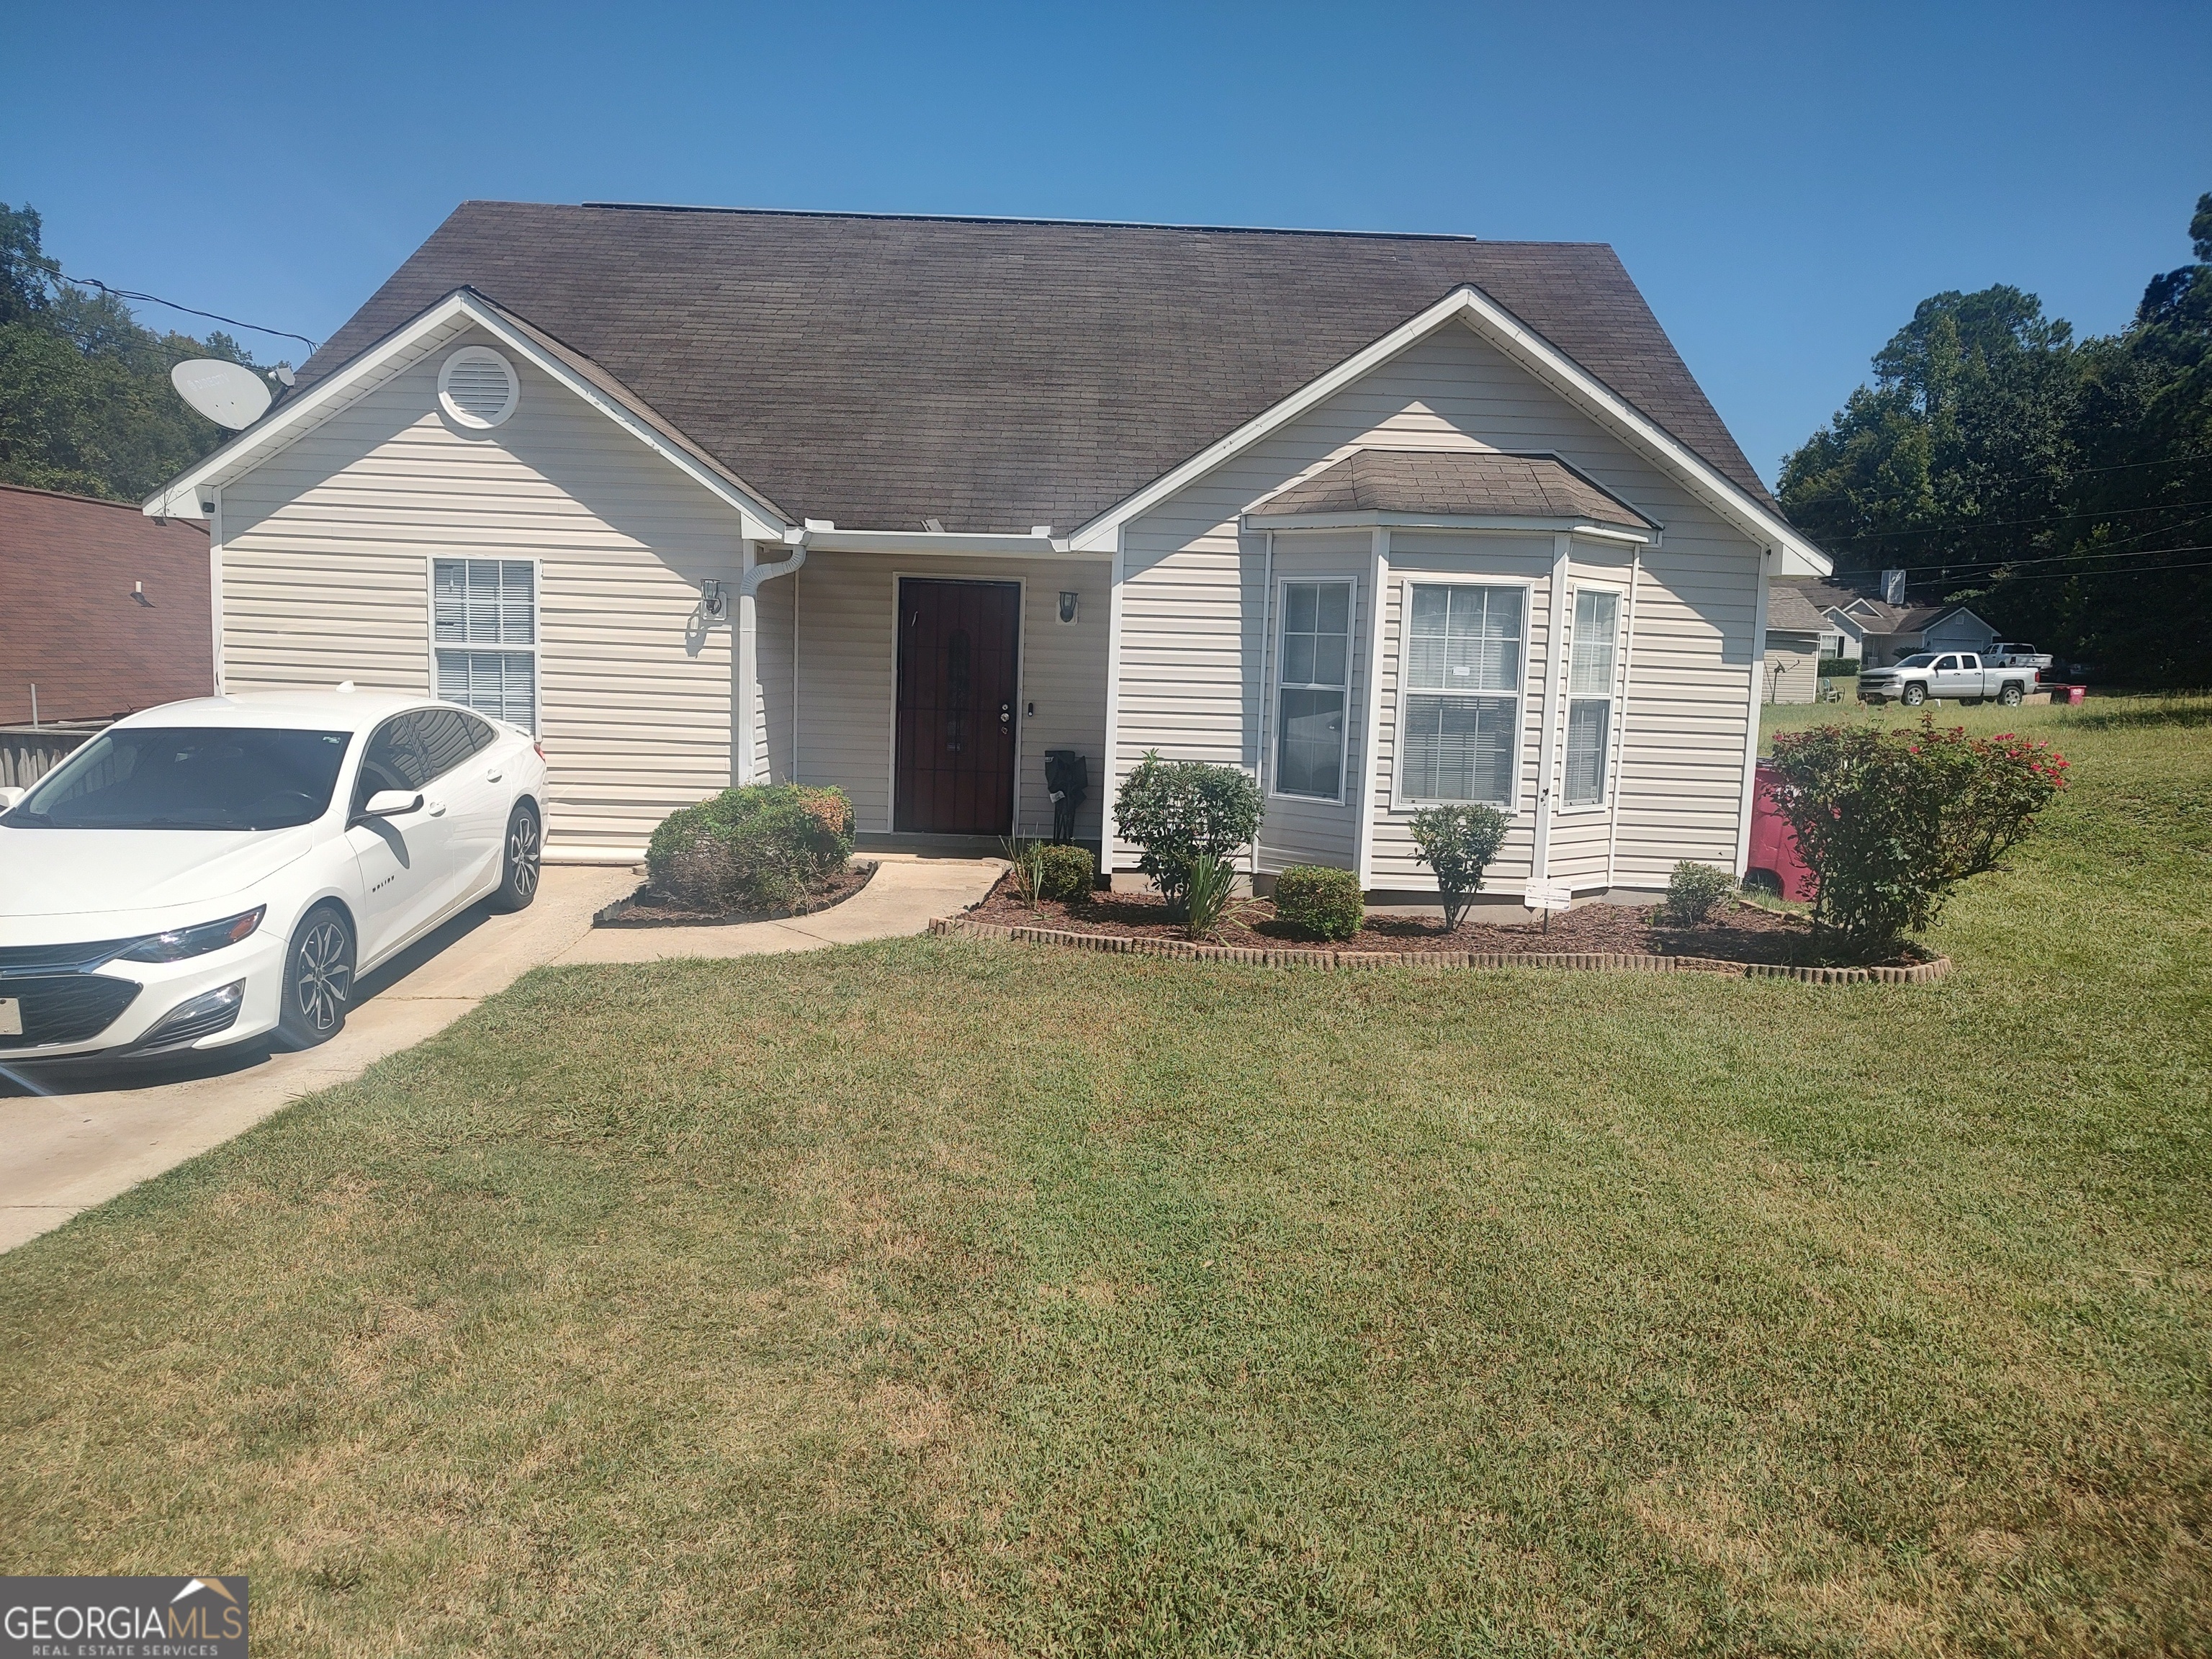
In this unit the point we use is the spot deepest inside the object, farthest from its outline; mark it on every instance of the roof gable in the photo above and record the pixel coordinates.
(998, 374)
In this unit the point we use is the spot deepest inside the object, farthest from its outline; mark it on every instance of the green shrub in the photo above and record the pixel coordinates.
(1209, 895)
(1837, 668)
(1066, 873)
(761, 847)
(1176, 810)
(1458, 843)
(1890, 819)
(1694, 891)
(1323, 903)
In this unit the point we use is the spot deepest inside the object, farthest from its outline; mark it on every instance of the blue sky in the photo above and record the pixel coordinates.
(1784, 184)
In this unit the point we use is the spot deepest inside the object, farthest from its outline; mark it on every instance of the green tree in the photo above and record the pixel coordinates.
(2062, 489)
(86, 404)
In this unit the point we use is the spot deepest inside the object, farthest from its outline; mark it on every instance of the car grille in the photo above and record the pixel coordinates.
(58, 958)
(66, 1007)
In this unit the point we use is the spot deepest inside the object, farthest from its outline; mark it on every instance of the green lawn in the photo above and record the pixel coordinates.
(946, 1297)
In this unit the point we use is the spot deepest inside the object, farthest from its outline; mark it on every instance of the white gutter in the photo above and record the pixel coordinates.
(1500, 523)
(749, 587)
(1038, 545)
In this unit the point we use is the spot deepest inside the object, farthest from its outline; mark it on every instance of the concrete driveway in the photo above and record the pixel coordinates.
(75, 1139)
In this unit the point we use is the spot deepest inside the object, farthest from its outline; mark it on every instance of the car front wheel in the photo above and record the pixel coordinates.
(317, 978)
(1914, 695)
(522, 856)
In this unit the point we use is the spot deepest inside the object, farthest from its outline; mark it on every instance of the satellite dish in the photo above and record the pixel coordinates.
(283, 374)
(229, 394)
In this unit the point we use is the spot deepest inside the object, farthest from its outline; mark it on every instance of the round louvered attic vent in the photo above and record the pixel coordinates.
(476, 387)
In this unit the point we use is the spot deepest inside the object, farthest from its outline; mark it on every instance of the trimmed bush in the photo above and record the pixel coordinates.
(762, 847)
(1176, 810)
(1458, 843)
(1694, 891)
(1891, 819)
(1317, 900)
(1066, 873)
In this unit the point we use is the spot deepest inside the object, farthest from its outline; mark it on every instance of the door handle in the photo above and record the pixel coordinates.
(437, 809)
(1006, 714)
(494, 775)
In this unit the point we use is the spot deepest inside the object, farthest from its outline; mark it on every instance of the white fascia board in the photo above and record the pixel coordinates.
(180, 497)
(1794, 555)
(947, 543)
(400, 351)
(1358, 520)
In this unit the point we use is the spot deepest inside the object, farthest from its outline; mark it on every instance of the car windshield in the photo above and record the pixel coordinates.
(164, 777)
(1923, 659)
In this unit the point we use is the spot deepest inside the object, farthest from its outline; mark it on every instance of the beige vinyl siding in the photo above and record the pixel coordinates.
(1192, 664)
(846, 666)
(326, 573)
(1792, 667)
(774, 658)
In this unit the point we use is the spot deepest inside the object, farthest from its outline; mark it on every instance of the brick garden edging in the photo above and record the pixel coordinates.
(1919, 973)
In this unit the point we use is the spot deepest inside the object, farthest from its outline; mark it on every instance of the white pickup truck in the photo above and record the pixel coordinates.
(1956, 674)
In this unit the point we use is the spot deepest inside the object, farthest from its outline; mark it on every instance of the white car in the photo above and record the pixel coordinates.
(207, 873)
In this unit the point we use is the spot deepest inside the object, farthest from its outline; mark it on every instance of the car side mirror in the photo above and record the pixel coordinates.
(9, 797)
(389, 803)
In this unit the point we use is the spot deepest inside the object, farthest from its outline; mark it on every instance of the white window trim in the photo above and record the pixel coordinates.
(1400, 802)
(1273, 769)
(537, 628)
(1568, 699)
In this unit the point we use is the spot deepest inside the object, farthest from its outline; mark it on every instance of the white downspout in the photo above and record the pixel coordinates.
(1555, 669)
(748, 586)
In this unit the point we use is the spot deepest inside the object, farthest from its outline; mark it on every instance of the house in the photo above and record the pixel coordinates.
(106, 609)
(1797, 637)
(902, 504)
(1880, 627)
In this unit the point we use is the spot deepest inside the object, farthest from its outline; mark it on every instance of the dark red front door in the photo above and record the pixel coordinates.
(959, 658)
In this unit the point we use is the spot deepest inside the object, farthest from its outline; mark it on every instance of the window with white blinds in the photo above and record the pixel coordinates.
(1460, 730)
(484, 631)
(1591, 652)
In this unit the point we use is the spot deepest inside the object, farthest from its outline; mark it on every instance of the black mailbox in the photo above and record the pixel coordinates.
(1067, 777)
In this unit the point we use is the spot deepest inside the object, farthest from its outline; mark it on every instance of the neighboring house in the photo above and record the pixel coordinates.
(1880, 630)
(900, 504)
(102, 610)
(1797, 637)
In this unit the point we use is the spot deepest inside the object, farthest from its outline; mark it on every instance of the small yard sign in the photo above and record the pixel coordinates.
(1548, 896)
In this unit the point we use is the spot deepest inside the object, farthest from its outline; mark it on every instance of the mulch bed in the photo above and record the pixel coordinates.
(1739, 933)
(647, 908)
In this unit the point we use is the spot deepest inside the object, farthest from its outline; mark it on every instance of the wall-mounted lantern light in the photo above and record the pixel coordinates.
(714, 602)
(1067, 606)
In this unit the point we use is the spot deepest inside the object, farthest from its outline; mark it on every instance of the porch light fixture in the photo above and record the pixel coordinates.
(714, 602)
(1067, 606)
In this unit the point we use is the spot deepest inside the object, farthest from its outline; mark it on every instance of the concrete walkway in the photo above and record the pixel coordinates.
(70, 1140)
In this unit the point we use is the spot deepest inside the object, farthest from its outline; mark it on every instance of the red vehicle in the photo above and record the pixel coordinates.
(1774, 843)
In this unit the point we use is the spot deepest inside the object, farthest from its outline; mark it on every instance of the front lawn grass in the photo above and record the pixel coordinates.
(940, 1296)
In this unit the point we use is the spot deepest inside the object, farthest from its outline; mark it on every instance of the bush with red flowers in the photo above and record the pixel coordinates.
(1890, 820)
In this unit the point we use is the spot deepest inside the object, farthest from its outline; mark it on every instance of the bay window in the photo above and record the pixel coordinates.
(1459, 735)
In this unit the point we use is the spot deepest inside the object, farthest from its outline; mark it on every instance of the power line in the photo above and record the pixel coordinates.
(2013, 524)
(2127, 571)
(157, 299)
(2109, 552)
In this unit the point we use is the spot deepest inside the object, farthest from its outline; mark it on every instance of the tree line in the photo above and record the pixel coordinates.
(2062, 487)
(86, 403)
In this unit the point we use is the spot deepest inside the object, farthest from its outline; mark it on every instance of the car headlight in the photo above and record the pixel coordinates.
(182, 942)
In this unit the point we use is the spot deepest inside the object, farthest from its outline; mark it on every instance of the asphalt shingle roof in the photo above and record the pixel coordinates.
(1454, 483)
(995, 373)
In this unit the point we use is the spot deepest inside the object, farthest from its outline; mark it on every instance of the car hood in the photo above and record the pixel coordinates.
(134, 875)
